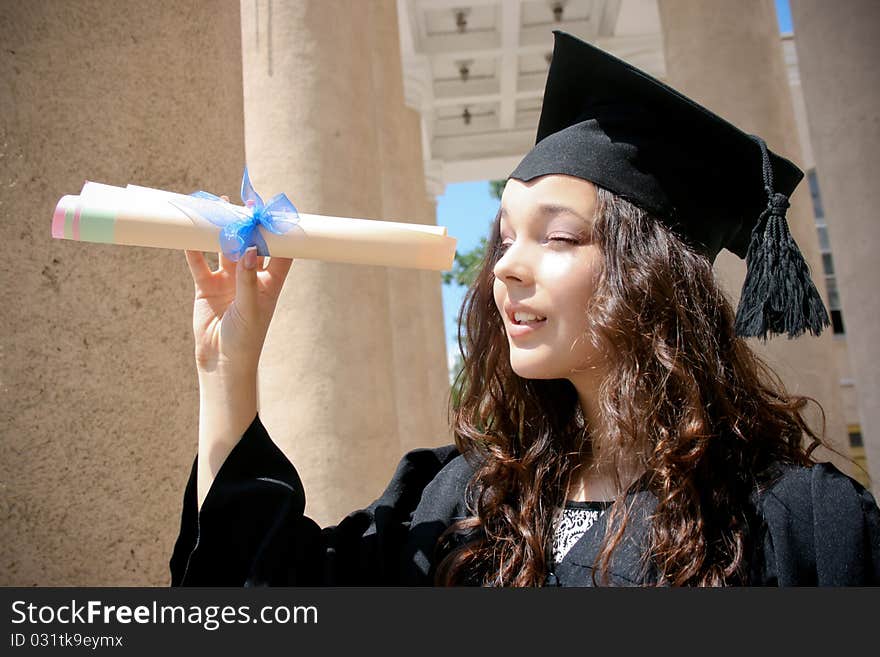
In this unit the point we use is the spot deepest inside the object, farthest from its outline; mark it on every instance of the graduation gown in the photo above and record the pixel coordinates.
(817, 527)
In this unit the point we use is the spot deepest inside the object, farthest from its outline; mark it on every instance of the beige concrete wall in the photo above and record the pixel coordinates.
(848, 392)
(328, 385)
(728, 56)
(797, 99)
(99, 393)
(838, 52)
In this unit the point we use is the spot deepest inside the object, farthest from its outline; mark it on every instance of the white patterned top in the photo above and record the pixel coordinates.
(576, 519)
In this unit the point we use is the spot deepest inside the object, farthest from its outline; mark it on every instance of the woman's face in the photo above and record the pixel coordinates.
(549, 268)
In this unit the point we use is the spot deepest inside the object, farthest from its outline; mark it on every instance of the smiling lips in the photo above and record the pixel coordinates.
(524, 324)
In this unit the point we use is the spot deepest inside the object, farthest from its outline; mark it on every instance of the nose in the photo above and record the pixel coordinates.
(513, 266)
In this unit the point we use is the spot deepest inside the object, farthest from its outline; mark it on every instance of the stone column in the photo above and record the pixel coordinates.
(435, 346)
(728, 56)
(327, 386)
(418, 344)
(432, 311)
(99, 390)
(838, 51)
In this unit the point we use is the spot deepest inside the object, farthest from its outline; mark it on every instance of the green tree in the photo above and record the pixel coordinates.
(465, 265)
(456, 386)
(496, 187)
(464, 270)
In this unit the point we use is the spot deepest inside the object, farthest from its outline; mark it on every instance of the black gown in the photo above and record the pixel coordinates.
(818, 527)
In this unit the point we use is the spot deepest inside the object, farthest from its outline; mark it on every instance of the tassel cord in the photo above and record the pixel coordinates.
(778, 294)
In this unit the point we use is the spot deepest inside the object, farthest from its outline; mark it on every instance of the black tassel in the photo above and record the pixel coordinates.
(778, 294)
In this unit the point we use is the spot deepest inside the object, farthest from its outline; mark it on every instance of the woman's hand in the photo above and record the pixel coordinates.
(231, 315)
(233, 308)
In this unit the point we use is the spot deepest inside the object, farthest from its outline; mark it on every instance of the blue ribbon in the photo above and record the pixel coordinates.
(240, 225)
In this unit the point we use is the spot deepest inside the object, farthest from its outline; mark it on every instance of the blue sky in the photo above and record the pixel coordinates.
(783, 14)
(467, 210)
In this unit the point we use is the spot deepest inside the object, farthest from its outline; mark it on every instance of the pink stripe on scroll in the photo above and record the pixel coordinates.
(76, 222)
(60, 216)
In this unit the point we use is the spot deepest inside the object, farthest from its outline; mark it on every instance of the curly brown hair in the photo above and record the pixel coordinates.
(705, 417)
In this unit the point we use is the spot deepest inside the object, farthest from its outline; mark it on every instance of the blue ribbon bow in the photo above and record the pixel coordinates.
(240, 225)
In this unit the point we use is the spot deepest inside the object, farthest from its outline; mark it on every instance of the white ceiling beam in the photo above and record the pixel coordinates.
(542, 35)
(631, 43)
(644, 51)
(533, 39)
(440, 5)
(452, 126)
(528, 119)
(608, 19)
(483, 168)
(529, 86)
(420, 29)
(405, 33)
(509, 65)
(450, 92)
(474, 99)
(486, 52)
(505, 108)
(494, 144)
(458, 44)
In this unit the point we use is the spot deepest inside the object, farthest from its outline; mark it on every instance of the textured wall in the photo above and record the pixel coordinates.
(99, 394)
(838, 52)
(728, 56)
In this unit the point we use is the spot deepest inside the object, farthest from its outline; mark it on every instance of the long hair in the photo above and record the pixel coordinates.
(704, 417)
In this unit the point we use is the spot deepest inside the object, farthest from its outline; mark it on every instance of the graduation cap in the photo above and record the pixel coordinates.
(607, 122)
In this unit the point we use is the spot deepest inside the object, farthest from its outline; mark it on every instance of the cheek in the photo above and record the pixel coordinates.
(571, 295)
(499, 297)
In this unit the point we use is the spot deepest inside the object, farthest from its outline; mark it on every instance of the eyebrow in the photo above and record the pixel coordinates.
(550, 210)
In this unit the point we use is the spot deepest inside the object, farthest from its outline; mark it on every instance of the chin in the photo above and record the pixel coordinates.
(532, 368)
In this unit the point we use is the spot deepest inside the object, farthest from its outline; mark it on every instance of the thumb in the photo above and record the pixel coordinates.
(246, 283)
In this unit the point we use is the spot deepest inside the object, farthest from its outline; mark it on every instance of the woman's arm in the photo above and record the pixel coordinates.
(227, 406)
(232, 310)
(252, 529)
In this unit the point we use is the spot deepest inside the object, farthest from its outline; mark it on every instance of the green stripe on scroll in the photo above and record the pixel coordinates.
(69, 214)
(96, 225)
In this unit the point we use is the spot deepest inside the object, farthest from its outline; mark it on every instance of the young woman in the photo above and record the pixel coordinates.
(613, 427)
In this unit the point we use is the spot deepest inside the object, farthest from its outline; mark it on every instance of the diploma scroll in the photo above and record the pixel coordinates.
(140, 216)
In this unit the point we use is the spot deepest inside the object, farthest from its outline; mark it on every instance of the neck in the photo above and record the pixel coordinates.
(587, 384)
(598, 477)
(588, 484)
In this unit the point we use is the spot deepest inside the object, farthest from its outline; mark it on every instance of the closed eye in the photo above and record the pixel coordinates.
(501, 247)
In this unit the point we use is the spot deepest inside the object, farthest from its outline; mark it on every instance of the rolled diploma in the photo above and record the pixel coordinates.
(141, 216)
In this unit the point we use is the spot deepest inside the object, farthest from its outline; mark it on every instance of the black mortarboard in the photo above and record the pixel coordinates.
(606, 121)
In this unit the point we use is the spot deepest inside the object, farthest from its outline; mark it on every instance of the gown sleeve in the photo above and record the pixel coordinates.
(252, 531)
(822, 529)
